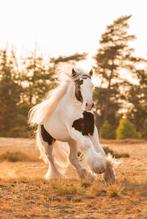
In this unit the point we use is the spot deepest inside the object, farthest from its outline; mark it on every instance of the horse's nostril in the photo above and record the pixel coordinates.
(86, 104)
(92, 104)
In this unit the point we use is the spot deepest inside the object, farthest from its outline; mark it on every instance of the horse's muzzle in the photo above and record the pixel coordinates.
(89, 106)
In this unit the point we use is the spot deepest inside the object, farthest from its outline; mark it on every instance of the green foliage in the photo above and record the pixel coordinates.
(126, 129)
(114, 54)
(9, 93)
(37, 78)
(72, 58)
(100, 98)
(137, 96)
(107, 131)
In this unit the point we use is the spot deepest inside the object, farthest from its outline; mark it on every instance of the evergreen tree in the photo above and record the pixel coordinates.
(107, 131)
(9, 94)
(126, 129)
(113, 55)
(71, 58)
(137, 96)
(37, 80)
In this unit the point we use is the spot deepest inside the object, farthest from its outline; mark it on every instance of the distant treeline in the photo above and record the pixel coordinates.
(120, 105)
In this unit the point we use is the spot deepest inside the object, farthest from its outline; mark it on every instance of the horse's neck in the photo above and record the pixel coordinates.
(70, 92)
(70, 99)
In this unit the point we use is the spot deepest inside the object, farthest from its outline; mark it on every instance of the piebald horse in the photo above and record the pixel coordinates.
(66, 115)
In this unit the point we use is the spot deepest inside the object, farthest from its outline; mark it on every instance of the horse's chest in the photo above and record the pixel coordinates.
(86, 124)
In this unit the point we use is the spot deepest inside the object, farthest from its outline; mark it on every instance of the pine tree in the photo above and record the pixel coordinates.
(107, 131)
(71, 58)
(114, 54)
(37, 80)
(9, 94)
(138, 98)
(126, 129)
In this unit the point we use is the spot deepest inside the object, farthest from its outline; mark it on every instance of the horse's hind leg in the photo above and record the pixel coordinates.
(45, 144)
(52, 170)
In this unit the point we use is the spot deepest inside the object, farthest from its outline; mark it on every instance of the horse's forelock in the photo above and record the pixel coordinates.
(78, 82)
(79, 73)
(81, 77)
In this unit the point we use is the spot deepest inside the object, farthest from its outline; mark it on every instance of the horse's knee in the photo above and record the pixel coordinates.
(73, 159)
(87, 144)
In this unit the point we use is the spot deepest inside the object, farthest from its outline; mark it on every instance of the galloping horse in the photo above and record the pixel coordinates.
(66, 115)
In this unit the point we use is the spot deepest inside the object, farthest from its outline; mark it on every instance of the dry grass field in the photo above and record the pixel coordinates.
(24, 194)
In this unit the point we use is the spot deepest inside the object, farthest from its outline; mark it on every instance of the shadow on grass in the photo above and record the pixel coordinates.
(16, 157)
(115, 154)
(134, 187)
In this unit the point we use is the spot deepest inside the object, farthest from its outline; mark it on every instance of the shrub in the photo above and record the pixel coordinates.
(107, 131)
(15, 157)
(126, 129)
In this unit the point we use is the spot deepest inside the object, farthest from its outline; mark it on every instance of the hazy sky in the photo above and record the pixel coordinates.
(61, 27)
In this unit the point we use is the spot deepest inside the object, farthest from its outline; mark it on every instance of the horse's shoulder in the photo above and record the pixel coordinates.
(85, 124)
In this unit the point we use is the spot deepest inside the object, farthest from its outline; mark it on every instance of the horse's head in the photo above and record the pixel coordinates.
(83, 88)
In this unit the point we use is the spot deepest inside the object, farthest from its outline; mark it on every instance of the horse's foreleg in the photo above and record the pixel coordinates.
(82, 172)
(95, 140)
(109, 173)
(96, 161)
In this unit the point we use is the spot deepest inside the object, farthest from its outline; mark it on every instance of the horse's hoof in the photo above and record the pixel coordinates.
(84, 174)
(99, 170)
(109, 179)
(90, 176)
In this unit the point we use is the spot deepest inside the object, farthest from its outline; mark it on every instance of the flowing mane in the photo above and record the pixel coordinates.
(42, 111)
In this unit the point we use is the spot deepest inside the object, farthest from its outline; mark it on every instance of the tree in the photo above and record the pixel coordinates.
(9, 93)
(137, 96)
(37, 80)
(126, 129)
(71, 58)
(107, 131)
(113, 55)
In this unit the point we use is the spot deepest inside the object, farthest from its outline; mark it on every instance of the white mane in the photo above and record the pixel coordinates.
(42, 111)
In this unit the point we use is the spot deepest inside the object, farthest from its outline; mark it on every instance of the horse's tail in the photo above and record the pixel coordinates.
(60, 153)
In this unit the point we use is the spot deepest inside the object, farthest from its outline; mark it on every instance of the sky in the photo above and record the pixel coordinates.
(63, 27)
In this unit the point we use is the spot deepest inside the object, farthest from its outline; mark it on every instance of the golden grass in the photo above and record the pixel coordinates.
(17, 156)
(24, 194)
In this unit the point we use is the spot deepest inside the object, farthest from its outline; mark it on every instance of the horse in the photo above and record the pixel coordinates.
(67, 116)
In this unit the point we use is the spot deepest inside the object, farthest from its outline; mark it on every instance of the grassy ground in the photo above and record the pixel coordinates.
(24, 194)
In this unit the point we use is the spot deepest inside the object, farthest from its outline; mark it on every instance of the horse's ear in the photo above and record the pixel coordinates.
(91, 72)
(74, 73)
